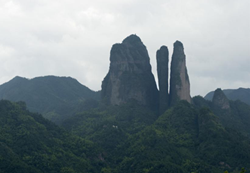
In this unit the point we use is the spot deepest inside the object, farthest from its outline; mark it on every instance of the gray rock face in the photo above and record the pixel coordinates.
(220, 99)
(179, 80)
(162, 71)
(130, 76)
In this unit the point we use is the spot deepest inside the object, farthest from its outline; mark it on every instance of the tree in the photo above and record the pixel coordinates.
(243, 170)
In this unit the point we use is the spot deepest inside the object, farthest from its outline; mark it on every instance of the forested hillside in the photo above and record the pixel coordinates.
(236, 116)
(30, 143)
(56, 98)
(183, 139)
(126, 138)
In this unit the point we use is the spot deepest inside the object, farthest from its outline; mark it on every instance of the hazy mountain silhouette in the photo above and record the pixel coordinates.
(242, 94)
(54, 97)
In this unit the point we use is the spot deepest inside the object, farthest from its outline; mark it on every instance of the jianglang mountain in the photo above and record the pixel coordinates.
(130, 77)
(132, 128)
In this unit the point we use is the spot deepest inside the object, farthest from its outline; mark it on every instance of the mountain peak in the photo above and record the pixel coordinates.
(132, 39)
(220, 99)
(178, 44)
(179, 80)
(19, 78)
(162, 59)
(130, 76)
(49, 95)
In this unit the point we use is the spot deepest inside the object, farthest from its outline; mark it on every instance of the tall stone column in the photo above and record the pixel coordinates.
(179, 80)
(162, 71)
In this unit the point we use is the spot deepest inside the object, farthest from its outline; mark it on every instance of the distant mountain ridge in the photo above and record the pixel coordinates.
(242, 94)
(49, 95)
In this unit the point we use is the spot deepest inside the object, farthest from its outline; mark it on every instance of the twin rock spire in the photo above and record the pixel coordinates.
(130, 77)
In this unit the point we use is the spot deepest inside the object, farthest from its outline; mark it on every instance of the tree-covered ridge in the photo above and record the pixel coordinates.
(126, 138)
(202, 137)
(56, 98)
(236, 117)
(30, 143)
(183, 139)
(186, 140)
(111, 127)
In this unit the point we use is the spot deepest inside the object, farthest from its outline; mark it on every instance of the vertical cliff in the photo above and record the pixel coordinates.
(162, 71)
(130, 76)
(179, 80)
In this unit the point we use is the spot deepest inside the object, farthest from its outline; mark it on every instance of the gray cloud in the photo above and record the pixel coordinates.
(73, 38)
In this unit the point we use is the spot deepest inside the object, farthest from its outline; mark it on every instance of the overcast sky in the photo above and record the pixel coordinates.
(74, 38)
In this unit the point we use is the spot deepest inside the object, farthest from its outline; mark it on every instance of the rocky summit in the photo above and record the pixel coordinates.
(130, 76)
(162, 71)
(179, 80)
(220, 99)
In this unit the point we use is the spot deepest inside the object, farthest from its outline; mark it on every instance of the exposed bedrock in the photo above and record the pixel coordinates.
(179, 80)
(130, 76)
(162, 71)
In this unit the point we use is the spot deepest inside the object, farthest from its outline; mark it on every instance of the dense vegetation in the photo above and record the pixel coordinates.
(183, 139)
(237, 117)
(198, 138)
(30, 143)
